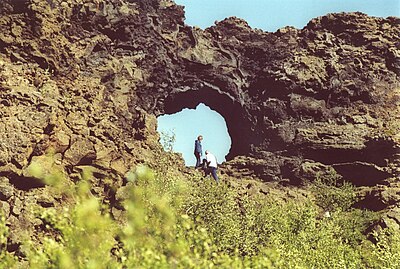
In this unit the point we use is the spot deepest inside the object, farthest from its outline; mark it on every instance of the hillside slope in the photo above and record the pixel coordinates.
(83, 81)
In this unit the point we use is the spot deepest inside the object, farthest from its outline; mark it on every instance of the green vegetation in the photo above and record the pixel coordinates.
(6, 259)
(173, 222)
(168, 139)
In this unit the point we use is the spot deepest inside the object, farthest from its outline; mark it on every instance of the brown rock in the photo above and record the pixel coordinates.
(81, 151)
(89, 83)
(5, 209)
(6, 189)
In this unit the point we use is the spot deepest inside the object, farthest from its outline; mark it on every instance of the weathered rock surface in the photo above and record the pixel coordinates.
(84, 82)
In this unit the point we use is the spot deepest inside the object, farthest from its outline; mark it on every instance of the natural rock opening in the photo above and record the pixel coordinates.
(234, 115)
(84, 80)
(179, 130)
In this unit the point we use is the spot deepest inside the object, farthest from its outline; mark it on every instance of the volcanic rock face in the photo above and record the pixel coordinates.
(84, 80)
(327, 93)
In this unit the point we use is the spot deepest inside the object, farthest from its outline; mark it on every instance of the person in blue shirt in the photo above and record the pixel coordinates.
(198, 151)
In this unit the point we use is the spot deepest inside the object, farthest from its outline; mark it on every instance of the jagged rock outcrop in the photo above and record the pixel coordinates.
(84, 81)
(319, 94)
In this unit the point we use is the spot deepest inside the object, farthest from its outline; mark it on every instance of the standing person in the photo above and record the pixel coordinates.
(198, 151)
(212, 165)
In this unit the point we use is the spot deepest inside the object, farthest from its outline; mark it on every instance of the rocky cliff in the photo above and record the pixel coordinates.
(85, 79)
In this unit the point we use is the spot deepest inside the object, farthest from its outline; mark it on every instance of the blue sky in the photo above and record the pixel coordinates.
(271, 15)
(268, 15)
(188, 124)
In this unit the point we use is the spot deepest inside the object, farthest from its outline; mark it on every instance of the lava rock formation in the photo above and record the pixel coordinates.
(87, 79)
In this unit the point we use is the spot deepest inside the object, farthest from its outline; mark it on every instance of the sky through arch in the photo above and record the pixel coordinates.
(190, 123)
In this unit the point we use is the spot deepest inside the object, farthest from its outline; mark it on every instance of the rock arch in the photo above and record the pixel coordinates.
(288, 97)
(237, 124)
(87, 80)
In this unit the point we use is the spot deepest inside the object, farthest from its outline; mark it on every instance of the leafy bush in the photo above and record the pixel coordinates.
(332, 195)
(6, 259)
(385, 253)
(171, 221)
(77, 236)
(167, 140)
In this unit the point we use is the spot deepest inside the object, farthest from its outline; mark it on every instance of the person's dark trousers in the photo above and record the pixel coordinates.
(198, 163)
(214, 173)
(207, 171)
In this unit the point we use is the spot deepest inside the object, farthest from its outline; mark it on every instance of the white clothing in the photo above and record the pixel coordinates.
(211, 159)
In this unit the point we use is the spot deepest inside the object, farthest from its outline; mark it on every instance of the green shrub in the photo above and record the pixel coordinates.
(332, 195)
(385, 253)
(168, 139)
(171, 221)
(81, 235)
(7, 260)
